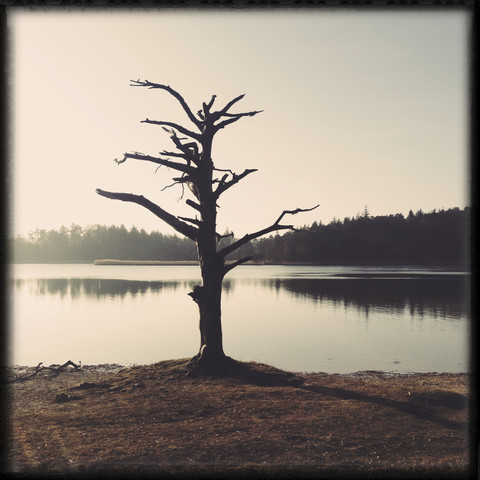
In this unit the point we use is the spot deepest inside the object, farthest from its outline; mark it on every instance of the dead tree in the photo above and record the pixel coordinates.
(192, 158)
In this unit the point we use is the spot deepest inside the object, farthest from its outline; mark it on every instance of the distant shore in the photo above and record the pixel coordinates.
(145, 262)
(109, 261)
(159, 262)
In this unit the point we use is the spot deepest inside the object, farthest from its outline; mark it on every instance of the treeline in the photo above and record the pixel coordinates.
(434, 238)
(84, 245)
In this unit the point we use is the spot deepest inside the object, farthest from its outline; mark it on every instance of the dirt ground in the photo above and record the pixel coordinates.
(257, 420)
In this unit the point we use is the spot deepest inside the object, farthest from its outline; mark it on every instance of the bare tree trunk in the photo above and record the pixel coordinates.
(193, 159)
(210, 321)
(208, 296)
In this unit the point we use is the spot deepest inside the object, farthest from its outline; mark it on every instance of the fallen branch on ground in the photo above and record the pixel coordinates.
(40, 367)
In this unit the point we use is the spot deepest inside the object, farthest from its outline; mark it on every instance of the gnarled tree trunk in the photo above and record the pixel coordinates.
(208, 298)
(208, 295)
(193, 159)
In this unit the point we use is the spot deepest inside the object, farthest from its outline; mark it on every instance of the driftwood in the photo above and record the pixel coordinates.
(40, 367)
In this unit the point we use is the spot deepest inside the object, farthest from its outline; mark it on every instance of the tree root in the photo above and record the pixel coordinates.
(40, 367)
(205, 365)
(249, 372)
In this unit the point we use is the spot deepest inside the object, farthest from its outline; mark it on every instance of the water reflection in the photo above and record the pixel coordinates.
(76, 288)
(305, 319)
(438, 296)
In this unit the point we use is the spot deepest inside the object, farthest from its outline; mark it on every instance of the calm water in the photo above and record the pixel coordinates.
(298, 318)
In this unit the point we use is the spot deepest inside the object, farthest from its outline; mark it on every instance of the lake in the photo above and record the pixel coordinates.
(297, 318)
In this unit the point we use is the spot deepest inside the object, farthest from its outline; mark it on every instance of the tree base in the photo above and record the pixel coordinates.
(250, 372)
(205, 364)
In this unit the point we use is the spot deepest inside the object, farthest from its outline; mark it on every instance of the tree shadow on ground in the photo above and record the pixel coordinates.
(421, 405)
(424, 405)
(248, 372)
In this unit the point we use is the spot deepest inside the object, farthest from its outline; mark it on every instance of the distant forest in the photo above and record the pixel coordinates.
(434, 238)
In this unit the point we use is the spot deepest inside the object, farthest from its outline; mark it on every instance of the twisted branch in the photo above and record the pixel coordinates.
(172, 220)
(232, 265)
(223, 185)
(214, 116)
(235, 117)
(220, 113)
(219, 237)
(193, 204)
(185, 168)
(195, 221)
(184, 130)
(40, 367)
(174, 93)
(272, 228)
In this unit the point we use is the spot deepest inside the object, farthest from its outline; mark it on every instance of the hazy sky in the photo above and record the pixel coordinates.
(360, 109)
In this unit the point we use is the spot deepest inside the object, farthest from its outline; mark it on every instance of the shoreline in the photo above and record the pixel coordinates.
(146, 262)
(113, 367)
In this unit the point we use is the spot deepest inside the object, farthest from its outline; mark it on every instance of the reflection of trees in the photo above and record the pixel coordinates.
(442, 296)
(103, 287)
(98, 287)
(438, 296)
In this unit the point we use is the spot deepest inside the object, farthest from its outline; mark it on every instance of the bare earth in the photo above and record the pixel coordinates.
(257, 420)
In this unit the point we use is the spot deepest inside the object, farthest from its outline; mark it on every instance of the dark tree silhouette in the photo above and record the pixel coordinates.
(192, 157)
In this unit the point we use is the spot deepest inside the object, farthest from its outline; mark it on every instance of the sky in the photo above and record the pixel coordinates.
(360, 108)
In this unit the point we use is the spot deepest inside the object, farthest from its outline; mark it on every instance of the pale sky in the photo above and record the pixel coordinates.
(361, 108)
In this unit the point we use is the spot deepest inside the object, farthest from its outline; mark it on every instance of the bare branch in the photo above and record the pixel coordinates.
(236, 178)
(224, 110)
(184, 130)
(194, 205)
(224, 170)
(272, 228)
(56, 370)
(185, 168)
(190, 150)
(173, 154)
(183, 179)
(232, 265)
(207, 108)
(195, 221)
(294, 212)
(171, 91)
(222, 180)
(178, 181)
(213, 117)
(168, 218)
(246, 114)
(247, 238)
(234, 118)
(169, 186)
(219, 237)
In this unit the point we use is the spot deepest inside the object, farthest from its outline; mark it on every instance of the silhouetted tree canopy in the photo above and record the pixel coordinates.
(435, 238)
